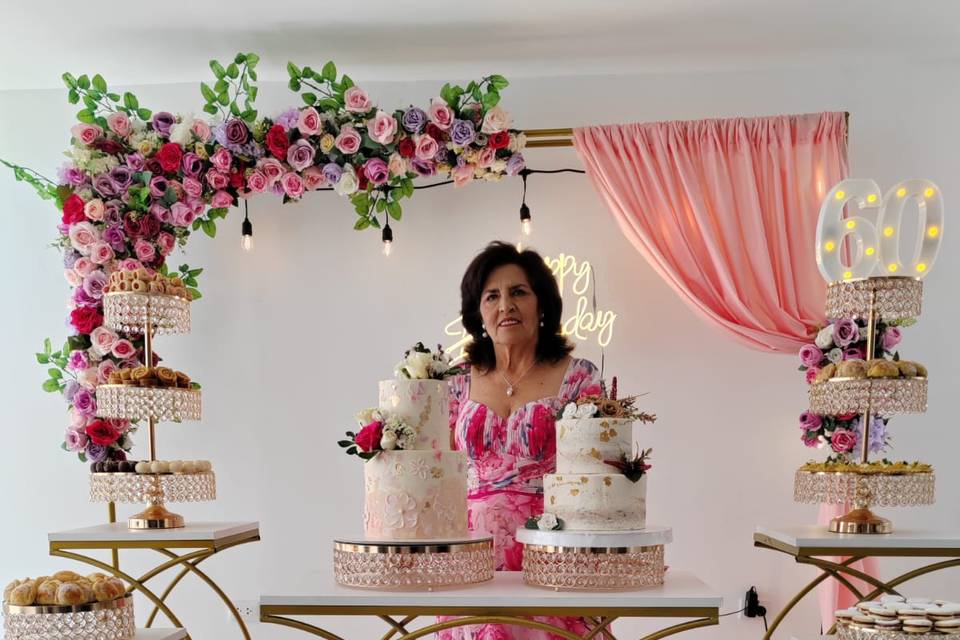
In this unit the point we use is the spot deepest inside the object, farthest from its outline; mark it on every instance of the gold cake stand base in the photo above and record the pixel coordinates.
(155, 516)
(861, 521)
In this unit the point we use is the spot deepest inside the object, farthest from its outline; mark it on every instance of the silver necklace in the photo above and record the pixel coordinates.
(511, 386)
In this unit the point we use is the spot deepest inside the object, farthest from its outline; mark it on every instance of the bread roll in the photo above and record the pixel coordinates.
(69, 594)
(24, 594)
(47, 592)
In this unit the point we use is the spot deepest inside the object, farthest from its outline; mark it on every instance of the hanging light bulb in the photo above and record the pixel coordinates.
(525, 220)
(246, 230)
(387, 237)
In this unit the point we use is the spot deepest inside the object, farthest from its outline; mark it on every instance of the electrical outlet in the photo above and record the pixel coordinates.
(248, 609)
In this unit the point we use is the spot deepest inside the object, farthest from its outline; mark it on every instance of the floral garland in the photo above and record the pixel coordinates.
(138, 183)
(839, 341)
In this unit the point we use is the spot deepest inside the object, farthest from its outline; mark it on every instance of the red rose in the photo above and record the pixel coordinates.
(149, 227)
(435, 132)
(153, 166)
(361, 179)
(169, 156)
(277, 141)
(499, 140)
(846, 417)
(369, 437)
(110, 147)
(73, 210)
(236, 179)
(102, 432)
(406, 148)
(86, 319)
(131, 226)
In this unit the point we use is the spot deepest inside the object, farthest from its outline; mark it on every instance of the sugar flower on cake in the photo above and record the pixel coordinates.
(633, 468)
(544, 522)
(605, 404)
(379, 431)
(420, 363)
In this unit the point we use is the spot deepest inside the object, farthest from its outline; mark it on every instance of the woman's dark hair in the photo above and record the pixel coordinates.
(551, 345)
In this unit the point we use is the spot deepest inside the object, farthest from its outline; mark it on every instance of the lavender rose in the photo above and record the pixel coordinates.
(135, 162)
(162, 121)
(236, 131)
(414, 119)
(878, 433)
(192, 164)
(845, 332)
(810, 355)
(94, 284)
(75, 440)
(462, 132)
(300, 154)
(376, 171)
(70, 257)
(96, 452)
(423, 167)
(810, 421)
(121, 177)
(114, 236)
(85, 403)
(515, 164)
(104, 185)
(332, 172)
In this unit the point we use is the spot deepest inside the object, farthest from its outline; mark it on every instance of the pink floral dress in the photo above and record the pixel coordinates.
(508, 458)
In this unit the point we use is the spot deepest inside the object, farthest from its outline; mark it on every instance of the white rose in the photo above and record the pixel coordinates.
(570, 411)
(547, 522)
(496, 120)
(347, 184)
(388, 441)
(586, 410)
(824, 339)
(418, 365)
(181, 132)
(835, 355)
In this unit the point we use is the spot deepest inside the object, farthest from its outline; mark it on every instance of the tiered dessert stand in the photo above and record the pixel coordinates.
(149, 314)
(889, 298)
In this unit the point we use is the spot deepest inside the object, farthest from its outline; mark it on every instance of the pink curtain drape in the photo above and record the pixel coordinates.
(726, 212)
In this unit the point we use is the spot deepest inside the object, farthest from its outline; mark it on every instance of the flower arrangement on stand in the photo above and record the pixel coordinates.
(137, 183)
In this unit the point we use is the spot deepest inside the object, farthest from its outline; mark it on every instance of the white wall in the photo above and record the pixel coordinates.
(291, 339)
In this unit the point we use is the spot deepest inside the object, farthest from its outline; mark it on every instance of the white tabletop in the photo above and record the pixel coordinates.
(160, 634)
(815, 538)
(651, 536)
(681, 590)
(118, 532)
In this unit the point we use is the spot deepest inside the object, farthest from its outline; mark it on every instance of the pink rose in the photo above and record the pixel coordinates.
(84, 267)
(397, 165)
(313, 178)
(101, 253)
(102, 340)
(382, 128)
(426, 147)
(221, 159)
(77, 419)
(348, 141)
(356, 100)
(181, 214)
(218, 179)
(486, 157)
(271, 168)
(145, 251)
(166, 241)
(87, 378)
(810, 355)
(843, 440)
(309, 122)
(891, 338)
(811, 373)
(119, 123)
(130, 264)
(192, 187)
(82, 236)
(73, 279)
(86, 133)
(221, 199)
(104, 369)
(292, 184)
(94, 210)
(376, 171)
(256, 181)
(201, 130)
(123, 349)
(440, 113)
(462, 175)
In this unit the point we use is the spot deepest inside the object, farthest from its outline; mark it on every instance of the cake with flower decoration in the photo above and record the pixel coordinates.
(600, 483)
(415, 484)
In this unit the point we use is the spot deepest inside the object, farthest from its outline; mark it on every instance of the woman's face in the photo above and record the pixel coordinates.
(509, 307)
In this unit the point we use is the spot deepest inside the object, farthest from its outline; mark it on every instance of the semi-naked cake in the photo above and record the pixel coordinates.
(588, 493)
(420, 492)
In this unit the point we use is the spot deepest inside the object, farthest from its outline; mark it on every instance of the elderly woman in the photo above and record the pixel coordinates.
(503, 411)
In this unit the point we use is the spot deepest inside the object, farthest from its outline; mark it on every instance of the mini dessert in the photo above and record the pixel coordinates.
(845, 615)
(163, 377)
(143, 281)
(881, 612)
(917, 625)
(892, 598)
(944, 611)
(911, 612)
(156, 466)
(887, 625)
(948, 627)
(863, 620)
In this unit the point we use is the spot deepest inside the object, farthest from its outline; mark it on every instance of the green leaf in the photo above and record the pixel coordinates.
(56, 374)
(253, 93)
(394, 209)
(130, 101)
(51, 385)
(498, 82)
(82, 456)
(346, 82)
(217, 69)
(232, 70)
(85, 116)
(99, 83)
(90, 103)
(329, 72)
(193, 292)
(294, 84)
(144, 114)
(83, 82)
(490, 100)
(293, 70)
(220, 86)
(196, 223)
(47, 346)
(69, 80)
(73, 97)
(212, 110)
(309, 98)
(252, 59)
(114, 96)
(249, 115)
(43, 358)
(207, 92)
(307, 72)
(223, 98)
(209, 228)
(252, 74)
(234, 109)
(240, 58)
(198, 271)
(381, 205)
(361, 224)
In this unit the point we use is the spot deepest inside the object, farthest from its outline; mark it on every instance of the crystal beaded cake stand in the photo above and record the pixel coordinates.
(594, 560)
(152, 488)
(847, 631)
(887, 298)
(412, 564)
(148, 314)
(101, 620)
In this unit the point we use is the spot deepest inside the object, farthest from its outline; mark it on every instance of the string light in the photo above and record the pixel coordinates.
(525, 220)
(246, 229)
(387, 237)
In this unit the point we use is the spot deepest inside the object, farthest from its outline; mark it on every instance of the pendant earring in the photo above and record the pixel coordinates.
(483, 334)
(541, 321)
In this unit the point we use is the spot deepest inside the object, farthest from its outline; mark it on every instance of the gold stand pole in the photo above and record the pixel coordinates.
(861, 519)
(111, 518)
(155, 516)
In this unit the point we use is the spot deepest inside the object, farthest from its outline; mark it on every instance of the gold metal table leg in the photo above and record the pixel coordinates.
(397, 626)
(683, 626)
(297, 624)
